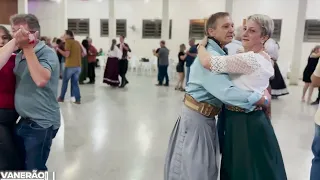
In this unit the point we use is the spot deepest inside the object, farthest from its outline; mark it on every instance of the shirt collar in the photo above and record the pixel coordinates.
(213, 42)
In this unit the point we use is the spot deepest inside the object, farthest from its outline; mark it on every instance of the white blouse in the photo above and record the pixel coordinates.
(248, 71)
(115, 53)
(272, 48)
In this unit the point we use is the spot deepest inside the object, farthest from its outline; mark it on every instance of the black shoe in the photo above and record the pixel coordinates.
(123, 85)
(315, 102)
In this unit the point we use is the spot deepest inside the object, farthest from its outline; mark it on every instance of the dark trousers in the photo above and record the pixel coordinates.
(123, 68)
(34, 143)
(163, 73)
(92, 72)
(9, 159)
(318, 98)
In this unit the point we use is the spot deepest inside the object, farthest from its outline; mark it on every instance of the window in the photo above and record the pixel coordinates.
(312, 30)
(79, 26)
(277, 29)
(197, 28)
(121, 27)
(151, 29)
(104, 27)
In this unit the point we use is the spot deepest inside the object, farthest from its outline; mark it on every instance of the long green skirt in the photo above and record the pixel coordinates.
(84, 69)
(251, 150)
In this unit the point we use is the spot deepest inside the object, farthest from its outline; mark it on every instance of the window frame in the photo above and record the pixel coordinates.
(77, 29)
(316, 28)
(192, 26)
(277, 29)
(157, 34)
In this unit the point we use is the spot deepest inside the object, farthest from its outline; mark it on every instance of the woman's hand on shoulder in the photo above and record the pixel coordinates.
(204, 41)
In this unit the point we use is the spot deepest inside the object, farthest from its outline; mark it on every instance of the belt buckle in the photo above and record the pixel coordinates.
(206, 110)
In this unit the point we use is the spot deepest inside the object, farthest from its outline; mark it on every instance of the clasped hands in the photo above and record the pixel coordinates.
(24, 38)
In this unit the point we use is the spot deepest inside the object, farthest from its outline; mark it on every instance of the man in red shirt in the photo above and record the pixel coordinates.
(92, 54)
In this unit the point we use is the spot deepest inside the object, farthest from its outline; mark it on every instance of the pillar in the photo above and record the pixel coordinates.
(298, 40)
(112, 22)
(165, 20)
(229, 6)
(22, 6)
(62, 17)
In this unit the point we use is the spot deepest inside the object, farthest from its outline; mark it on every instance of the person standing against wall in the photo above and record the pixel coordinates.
(123, 63)
(191, 55)
(163, 55)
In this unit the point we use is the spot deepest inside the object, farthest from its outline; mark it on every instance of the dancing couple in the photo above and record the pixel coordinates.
(235, 89)
(117, 64)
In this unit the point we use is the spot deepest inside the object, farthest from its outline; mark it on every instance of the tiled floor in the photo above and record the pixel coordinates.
(122, 134)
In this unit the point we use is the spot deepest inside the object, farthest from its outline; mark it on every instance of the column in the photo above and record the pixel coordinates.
(229, 7)
(112, 22)
(22, 6)
(165, 20)
(298, 40)
(62, 17)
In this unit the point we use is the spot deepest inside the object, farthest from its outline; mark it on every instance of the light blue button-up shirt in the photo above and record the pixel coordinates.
(216, 89)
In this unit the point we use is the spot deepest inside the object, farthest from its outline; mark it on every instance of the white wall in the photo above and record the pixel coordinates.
(180, 13)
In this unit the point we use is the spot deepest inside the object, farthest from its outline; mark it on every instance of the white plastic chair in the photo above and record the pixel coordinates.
(134, 63)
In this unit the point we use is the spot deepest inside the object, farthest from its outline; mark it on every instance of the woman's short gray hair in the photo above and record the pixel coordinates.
(265, 22)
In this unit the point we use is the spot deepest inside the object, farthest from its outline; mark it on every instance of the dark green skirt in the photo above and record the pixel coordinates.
(251, 150)
(84, 69)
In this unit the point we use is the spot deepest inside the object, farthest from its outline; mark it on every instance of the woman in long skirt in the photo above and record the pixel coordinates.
(277, 83)
(250, 147)
(111, 72)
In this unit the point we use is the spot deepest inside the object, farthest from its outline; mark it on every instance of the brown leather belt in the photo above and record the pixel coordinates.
(203, 108)
(238, 109)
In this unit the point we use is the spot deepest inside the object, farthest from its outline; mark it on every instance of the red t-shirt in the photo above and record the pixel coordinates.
(7, 84)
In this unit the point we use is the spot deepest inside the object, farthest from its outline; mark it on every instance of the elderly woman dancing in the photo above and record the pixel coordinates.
(251, 150)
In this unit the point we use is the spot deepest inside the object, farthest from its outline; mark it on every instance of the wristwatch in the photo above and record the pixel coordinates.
(266, 101)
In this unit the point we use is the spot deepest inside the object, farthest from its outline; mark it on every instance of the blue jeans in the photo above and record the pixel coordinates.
(73, 74)
(187, 75)
(34, 143)
(315, 168)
